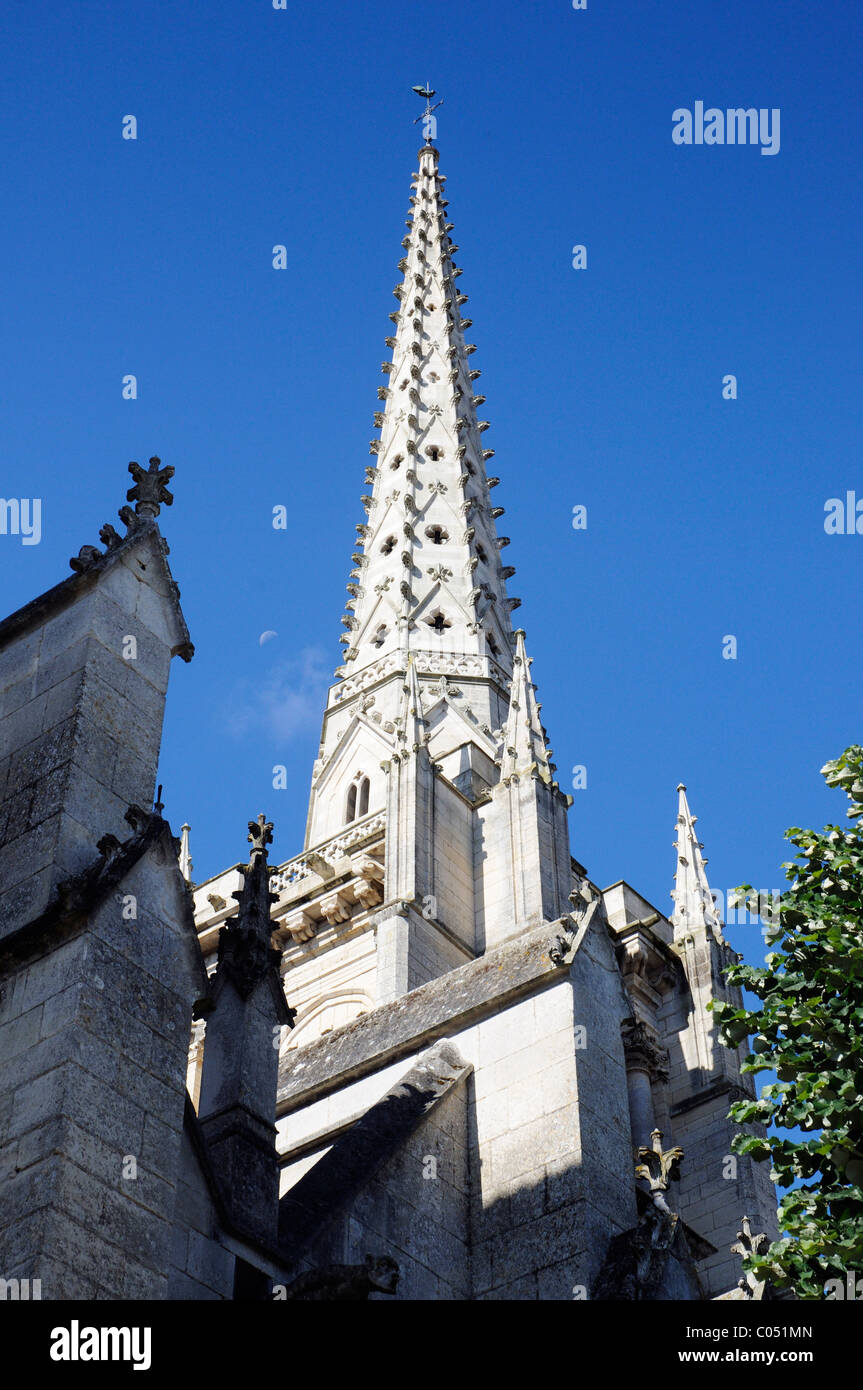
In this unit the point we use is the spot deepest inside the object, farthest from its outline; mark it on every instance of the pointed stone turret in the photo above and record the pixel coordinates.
(246, 1004)
(694, 908)
(705, 1076)
(524, 746)
(698, 937)
(185, 857)
(413, 733)
(538, 871)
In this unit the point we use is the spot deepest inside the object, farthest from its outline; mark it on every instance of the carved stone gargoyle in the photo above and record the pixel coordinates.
(347, 1283)
(563, 946)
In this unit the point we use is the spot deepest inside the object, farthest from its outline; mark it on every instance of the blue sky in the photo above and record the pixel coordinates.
(705, 516)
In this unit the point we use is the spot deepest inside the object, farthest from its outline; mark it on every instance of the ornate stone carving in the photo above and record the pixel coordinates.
(748, 1243)
(646, 968)
(245, 953)
(642, 1261)
(335, 907)
(300, 925)
(642, 1050)
(657, 1168)
(109, 537)
(86, 557)
(150, 491)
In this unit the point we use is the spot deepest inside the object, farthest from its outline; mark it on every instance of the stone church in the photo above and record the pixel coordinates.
(428, 1057)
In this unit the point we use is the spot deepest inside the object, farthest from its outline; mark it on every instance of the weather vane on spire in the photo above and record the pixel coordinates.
(428, 120)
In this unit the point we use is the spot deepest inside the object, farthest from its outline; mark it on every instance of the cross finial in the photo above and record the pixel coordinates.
(150, 490)
(748, 1243)
(429, 124)
(260, 834)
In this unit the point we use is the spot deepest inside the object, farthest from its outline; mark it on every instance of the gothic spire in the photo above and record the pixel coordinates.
(524, 746)
(428, 574)
(694, 908)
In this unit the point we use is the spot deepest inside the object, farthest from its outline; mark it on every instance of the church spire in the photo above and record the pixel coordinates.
(428, 574)
(694, 908)
(434, 679)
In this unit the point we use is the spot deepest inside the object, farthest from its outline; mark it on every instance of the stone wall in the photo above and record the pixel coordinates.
(80, 725)
(717, 1188)
(547, 1177)
(200, 1266)
(93, 1043)
(454, 868)
(551, 1144)
(414, 1208)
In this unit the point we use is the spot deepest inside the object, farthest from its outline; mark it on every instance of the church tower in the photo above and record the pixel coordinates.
(485, 1042)
(433, 780)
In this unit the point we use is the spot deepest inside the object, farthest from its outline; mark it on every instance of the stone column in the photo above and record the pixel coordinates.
(646, 1063)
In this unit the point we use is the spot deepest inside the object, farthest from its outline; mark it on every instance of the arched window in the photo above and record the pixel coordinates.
(358, 798)
(438, 535)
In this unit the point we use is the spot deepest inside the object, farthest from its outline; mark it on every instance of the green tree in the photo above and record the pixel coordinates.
(809, 1031)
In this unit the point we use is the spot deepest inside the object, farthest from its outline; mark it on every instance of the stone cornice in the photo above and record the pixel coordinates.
(724, 1086)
